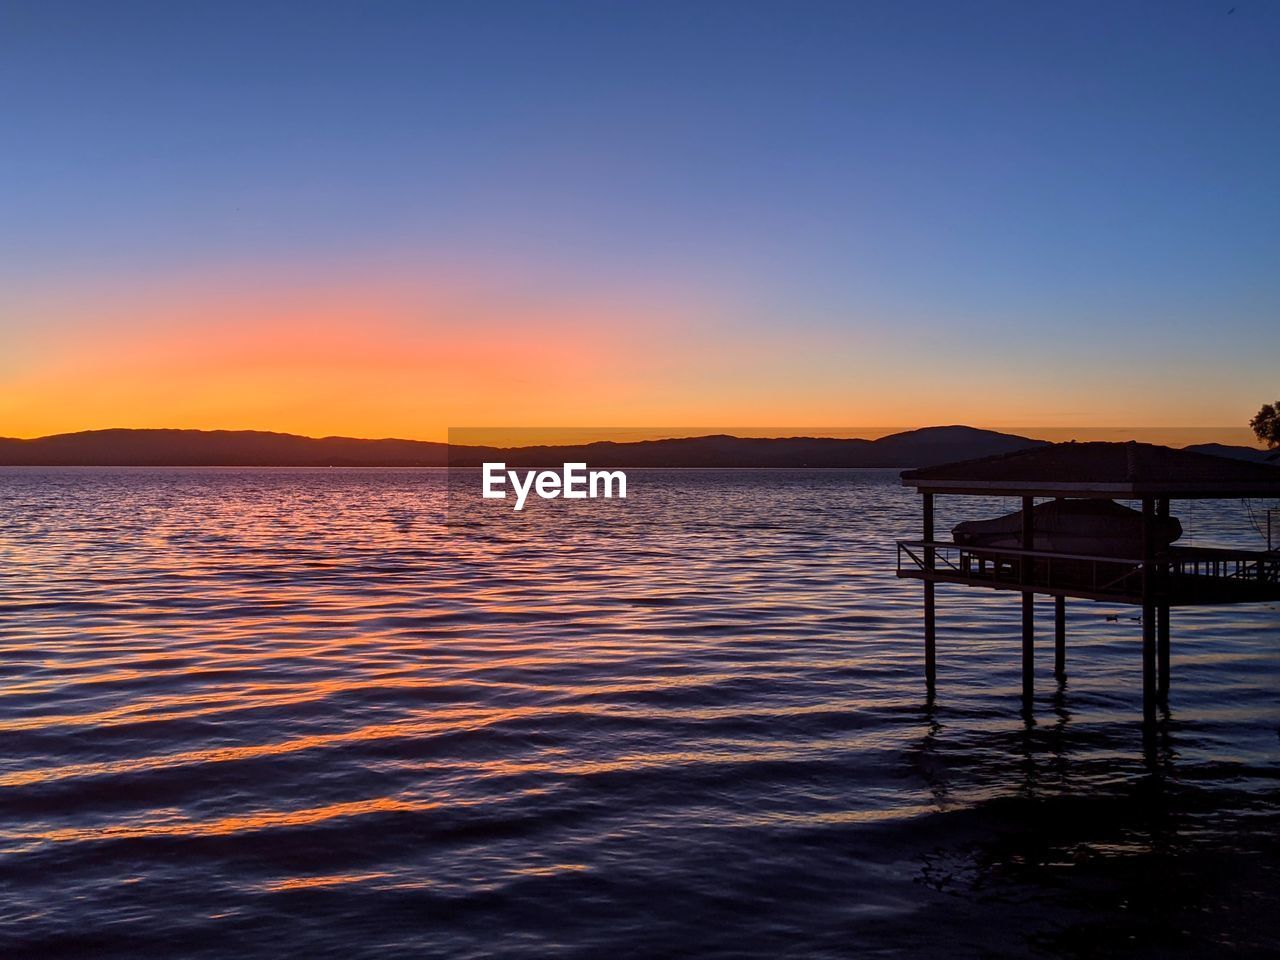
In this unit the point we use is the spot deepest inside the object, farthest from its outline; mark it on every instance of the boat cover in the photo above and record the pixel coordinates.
(1101, 528)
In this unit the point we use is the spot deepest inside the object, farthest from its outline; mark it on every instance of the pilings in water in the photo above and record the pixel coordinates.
(1162, 625)
(930, 624)
(1154, 600)
(1028, 609)
(1028, 605)
(1149, 681)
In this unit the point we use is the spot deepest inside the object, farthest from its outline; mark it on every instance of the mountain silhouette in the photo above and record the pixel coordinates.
(123, 447)
(1236, 452)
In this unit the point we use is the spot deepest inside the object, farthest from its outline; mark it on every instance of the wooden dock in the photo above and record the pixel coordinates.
(1158, 578)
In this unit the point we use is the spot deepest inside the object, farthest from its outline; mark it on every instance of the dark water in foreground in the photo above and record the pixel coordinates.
(285, 712)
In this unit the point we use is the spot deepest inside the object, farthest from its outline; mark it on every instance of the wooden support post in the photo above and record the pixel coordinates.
(1028, 603)
(1162, 624)
(930, 624)
(1148, 614)
(1060, 637)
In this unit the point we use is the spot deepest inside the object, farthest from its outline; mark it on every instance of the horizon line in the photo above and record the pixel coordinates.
(566, 436)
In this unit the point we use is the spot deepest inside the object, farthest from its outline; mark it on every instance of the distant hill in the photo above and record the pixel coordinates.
(913, 448)
(1235, 452)
(148, 448)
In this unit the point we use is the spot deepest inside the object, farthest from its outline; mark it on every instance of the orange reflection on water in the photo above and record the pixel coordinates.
(329, 880)
(225, 826)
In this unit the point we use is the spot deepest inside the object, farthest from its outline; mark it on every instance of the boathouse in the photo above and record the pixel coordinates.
(1079, 542)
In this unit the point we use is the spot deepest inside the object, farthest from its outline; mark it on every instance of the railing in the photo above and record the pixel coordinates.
(1186, 571)
(1249, 566)
(1006, 566)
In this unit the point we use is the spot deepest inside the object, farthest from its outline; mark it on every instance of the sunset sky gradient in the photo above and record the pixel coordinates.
(386, 219)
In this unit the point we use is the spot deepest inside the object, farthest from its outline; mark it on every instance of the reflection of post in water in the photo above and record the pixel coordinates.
(1058, 733)
(1157, 744)
(1079, 542)
(1060, 641)
(927, 758)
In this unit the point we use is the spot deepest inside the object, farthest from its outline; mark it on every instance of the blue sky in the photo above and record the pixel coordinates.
(1024, 184)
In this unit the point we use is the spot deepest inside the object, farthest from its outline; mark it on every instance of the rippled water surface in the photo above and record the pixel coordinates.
(264, 713)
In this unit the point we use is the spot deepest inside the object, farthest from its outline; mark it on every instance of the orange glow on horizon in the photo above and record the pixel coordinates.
(327, 360)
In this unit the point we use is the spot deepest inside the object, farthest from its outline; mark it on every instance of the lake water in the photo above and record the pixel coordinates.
(265, 713)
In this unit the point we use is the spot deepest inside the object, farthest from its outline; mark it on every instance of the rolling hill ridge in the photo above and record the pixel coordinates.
(128, 447)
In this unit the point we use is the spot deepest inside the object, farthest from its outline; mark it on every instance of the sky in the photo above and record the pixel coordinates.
(387, 219)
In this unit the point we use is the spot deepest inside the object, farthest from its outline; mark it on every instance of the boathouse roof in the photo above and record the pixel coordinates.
(1104, 470)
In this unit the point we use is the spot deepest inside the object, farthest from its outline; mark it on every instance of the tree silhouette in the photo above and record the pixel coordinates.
(1266, 424)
